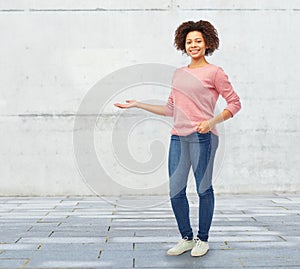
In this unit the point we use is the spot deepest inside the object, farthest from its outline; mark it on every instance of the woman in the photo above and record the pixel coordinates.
(194, 140)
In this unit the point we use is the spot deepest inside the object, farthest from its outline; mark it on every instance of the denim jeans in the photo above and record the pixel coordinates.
(196, 151)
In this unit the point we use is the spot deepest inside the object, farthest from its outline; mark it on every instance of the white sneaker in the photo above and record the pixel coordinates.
(182, 246)
(200, 248)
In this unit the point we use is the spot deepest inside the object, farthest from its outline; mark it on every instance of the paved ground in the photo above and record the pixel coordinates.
(135, 232)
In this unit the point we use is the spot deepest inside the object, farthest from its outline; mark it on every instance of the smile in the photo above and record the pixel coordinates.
(194, 51)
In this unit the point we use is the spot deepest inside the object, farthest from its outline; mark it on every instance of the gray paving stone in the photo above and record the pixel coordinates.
(127, 255)
(261, 246)
(118, 246)
(143, 223)
(18, 247)
(12, 263)
(284, 200)
(165, 246)
(46, 227)
(144, 239)
(292, 238)
(238, 228)
(16, 222)
(80, 255)
(17, 254)
(58, 240)
(9, 239)
(238, 223)
(85, 229)
(50, 220)
(84, 222)
(127, 232)
(269, 257)
(78, 228)
(80, 233)
(35, 234)
(79, 264)
(22, 216)
(156, 233)
(213, 259)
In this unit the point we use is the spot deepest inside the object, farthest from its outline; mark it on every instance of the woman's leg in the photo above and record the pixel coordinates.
(179, 166)
(202, 150)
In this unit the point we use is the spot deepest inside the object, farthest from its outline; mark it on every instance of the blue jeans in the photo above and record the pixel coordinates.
(196, 151)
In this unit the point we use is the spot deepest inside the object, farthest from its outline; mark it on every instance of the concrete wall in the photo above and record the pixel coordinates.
(55, 53)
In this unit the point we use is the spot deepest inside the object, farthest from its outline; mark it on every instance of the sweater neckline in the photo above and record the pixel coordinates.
(197, 68)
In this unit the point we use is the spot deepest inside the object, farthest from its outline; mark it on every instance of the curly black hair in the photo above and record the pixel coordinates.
(208, 31)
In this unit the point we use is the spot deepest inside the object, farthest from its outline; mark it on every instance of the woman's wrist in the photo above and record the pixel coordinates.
(138, 104)
(211, 123)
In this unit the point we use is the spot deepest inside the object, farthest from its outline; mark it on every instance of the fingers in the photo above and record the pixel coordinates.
(203, 127)
(129, 103)
(200, 130)
(120, 105)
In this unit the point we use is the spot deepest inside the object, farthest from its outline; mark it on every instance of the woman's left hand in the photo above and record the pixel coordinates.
(204, 127)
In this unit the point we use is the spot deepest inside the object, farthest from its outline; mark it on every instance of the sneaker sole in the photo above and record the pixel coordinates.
(199, 255)
(177, 254)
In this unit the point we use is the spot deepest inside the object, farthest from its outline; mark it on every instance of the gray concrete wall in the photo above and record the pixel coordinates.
(53, 53)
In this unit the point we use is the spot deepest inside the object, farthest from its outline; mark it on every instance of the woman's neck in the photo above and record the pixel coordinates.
(198, 62)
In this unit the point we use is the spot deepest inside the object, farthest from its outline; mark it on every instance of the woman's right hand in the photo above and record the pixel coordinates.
(129, 104)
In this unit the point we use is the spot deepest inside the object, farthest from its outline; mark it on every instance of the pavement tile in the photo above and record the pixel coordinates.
(135, 232)
(291, 238)
(118, 246)
(155, 233)
(12, 263)
(76, 263)
(78, 229)
(213, 259)
(166, 246)
(80, 233)
(18, 247)
(269, 257)
(261, 246)
(130, 239)
(9, 239)
(17, 254)
(58, 240)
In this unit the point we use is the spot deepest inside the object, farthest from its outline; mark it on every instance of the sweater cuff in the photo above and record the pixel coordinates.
(168, 111)
(233, 108)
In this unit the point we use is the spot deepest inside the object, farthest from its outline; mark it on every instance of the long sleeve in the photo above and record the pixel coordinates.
(225, 89)
(169, 108)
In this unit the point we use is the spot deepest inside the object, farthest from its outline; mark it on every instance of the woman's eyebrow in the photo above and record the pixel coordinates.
(194, 38)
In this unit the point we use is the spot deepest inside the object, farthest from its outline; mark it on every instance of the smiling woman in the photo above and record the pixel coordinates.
(195, 45)
(194, 141)
(204, 28)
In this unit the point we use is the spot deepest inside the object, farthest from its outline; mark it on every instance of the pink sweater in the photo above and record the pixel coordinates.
(194, 94)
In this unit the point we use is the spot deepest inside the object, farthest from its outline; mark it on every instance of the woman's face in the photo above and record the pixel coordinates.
(195, 45)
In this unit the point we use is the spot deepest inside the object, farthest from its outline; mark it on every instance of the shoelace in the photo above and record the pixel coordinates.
(198, 242)
(183, 240)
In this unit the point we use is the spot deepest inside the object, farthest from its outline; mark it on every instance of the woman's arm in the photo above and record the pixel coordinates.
(156, 109)
(224, 87)
(207, 125)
